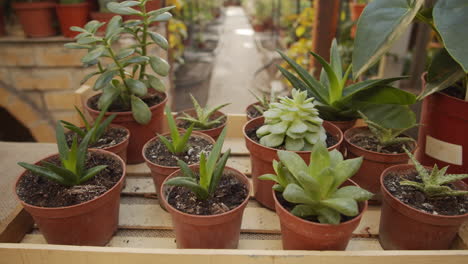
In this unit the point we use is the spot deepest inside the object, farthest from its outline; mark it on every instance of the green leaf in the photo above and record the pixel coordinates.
(66, 175)
(269, 177)
(83, 118)
(345, 170)
(384, 95)
(61, 142)
(169, 145)
(294, 144)
(161, 11)
(77, 29)
(380, 25)
(335, 60)
(125, 53)
(182, 144)
(130, 3)
(109, 94)
(159, 66)
(172, 125)
(335, 158)
(120, 9)
(82, 152)
(77, 46)
(186, 169)
(353, 192)
(295, 194)
(87, 40)
(140, 110)
(319, 160)
(391, 116)
(272, 140)
(366, 85)
(135, 59)
(113, 26)
(156, 83)
(88, 76)
(159, 39)
(345, 206)
(335, 88)
(329, 216)
(41, 171)
(190, 184)
(162, 17)
(137, 87)
(214, 155)
(93, 55)
(303, 210)
(218, 172)
(325, 180)
(90, 173)
(93, 25)
(104, 80)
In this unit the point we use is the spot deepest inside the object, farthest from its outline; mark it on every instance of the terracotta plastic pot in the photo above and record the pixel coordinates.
(72, 15)
(37, 18)
(250, 106)
(344, 125)
(2, 22)
(262, 157)
(403, 227)
(259, 27)
(214, 132)
(102, 17)
(139, 134)
(300, 234)
(159, 172)
(373, 164)
(219, 231)
(91, 223)
(356, 11)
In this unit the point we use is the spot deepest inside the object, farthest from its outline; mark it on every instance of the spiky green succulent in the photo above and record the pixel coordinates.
(203, 119)
(293, 122)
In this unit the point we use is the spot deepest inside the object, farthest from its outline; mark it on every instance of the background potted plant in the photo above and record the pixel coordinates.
(36, 17)
(136, 96)
(73, 196)
(72, 13)
(258, 108)
(292, 124)
(422, 209)
(104, 14)
(443, 115)
(207, 201)
(163, 152)
(318, 206)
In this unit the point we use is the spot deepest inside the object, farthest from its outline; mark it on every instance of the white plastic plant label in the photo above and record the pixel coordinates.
(444, 151)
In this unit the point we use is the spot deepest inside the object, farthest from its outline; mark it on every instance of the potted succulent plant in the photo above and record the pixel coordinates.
(72, 13)
(292, 124)
(258, 108)
(104, 14)
(445, 100)
(206, 120)
(380, 147)
(163, 152)
(151, 5)
(134, 94)
(36, 17)
(422, 209)
(318, 206)
(73, 188)
(207, 201)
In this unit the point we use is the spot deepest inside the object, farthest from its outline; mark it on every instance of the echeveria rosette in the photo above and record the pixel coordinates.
(293, 122)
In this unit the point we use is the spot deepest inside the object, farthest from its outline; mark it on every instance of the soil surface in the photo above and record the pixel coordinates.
(252, 134)
(230, 194)
(445, 205)
(111, 137)
(252, 112)
(368, 141)
(39, 191)
(185, 124)
(150, 100)
(158, 153)
(454, 92)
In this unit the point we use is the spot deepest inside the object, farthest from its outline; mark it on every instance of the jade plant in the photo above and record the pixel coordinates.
(203, 118)
(125, 81)
(178, 143)
(316, 189)
(293, 122)
(436, 182)
(73, 169)
(209, 174)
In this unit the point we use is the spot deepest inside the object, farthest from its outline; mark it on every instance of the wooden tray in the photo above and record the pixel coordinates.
(146, 235)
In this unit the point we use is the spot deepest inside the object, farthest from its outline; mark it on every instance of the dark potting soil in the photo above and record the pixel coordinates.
(445, 205)
(252, 112)
(368, 141)
(230, 194)
(39, 191)
(111, 137)
(185, 124)
(158, 153)
(151, 100)
(252, 134)
(455, 92)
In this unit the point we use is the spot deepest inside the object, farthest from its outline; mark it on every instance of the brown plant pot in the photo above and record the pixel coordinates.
(102, 17)
(2, 22)
(300, 234)
(403, 227)
(72, 15)
(262, 157)
(37, 18)
(91, 223)
(159, 172)
(219, 231)
(259, 27)
(213, 132)
(373, 164)
(344, 125)
(139, 134)
(249, 108)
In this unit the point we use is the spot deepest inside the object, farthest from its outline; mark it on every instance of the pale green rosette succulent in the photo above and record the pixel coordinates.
(293, 122)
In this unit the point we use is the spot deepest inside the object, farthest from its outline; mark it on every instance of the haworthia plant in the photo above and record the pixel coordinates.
(202, 120)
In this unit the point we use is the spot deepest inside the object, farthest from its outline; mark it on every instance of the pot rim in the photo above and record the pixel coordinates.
(220, 127)
(424, 83)
(340, 139)
(156, 138)
(251, 106)
(126, 138)
(169, 207)
(52, 209)
(33, 5)
(396, 168)
(59, 5)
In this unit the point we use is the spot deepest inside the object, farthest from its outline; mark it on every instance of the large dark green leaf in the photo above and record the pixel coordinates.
(140, 110)
(136, 87)
(385, 95)
(334, 88)
(159, 66)
(390, 116)
(380, 25)
(367, 84)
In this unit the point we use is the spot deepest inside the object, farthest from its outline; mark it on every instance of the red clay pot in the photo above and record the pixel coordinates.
(37, 18)
(159, 172)
(2, 22)
(139, 134)
(373, 164)
(72, 15)
(91, 223)
(344, 125)
(219, 231)
(93, 5)
(356, 11)
(214, 132)
(300, 234)
(403, 227)
(262, 157)
(102, 17)
(258, 27)
(250, 106)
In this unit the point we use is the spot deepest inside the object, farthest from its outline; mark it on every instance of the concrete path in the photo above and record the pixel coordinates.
(235, 64)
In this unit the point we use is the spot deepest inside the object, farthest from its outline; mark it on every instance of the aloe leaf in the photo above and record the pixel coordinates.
(189, 183)
(82, 152)
(186, 169)
(65, 174)
(90, 173)
(214, 155)
(299, 84)
(204, 177)
(384, 95)
(61, 142)
(101, 128)
(182, 144)
(41, 171)
(335, 89)
(335, 60)
(169, 145)
(218, 172)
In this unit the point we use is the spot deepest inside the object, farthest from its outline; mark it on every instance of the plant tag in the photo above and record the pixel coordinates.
(444, 151)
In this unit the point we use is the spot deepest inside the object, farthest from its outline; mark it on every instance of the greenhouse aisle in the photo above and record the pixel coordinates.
(235, 64)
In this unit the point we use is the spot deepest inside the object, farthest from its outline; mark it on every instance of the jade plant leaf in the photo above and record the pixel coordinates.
(140, 110)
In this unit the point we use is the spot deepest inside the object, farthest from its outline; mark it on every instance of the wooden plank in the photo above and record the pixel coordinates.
(15, 226)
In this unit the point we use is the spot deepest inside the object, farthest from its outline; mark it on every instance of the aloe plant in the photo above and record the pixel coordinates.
(315, 189)
(263, 101)
(202, 120)
(178, 143)
(210, 172)
(73, 160)
(293, 122)
(434, 183)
